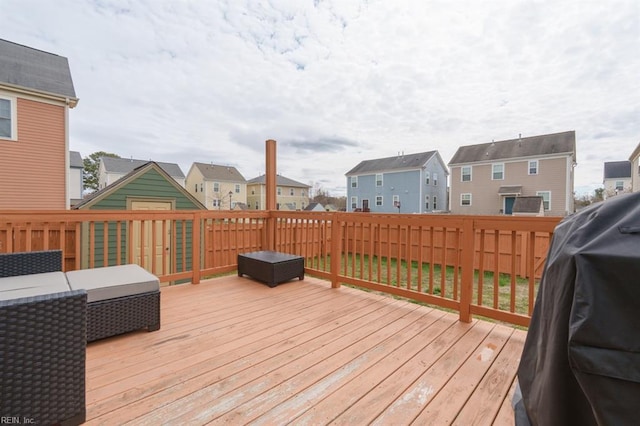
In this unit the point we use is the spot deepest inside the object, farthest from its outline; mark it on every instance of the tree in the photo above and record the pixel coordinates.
(90, 172)
(322, 196)
(598, 195)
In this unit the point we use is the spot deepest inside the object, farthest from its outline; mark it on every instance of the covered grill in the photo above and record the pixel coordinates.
(581, 360)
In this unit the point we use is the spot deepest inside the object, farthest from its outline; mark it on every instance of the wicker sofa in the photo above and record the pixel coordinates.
(120, 298)
(42, 345)
(46, 319)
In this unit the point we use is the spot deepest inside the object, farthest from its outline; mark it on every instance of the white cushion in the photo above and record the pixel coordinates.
(32, 285)
(113, 281)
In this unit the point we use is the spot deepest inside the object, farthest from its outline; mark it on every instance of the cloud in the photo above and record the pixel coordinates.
(337, 82)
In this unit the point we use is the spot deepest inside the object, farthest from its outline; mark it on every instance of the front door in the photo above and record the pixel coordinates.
(365, 205)
(508, 204)
(162, 250)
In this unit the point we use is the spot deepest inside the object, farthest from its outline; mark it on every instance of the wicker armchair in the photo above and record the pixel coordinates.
(43, 348)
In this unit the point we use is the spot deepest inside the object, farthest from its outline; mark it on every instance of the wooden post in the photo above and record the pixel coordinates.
(195, 247)
(468, 248)
(270, 181)
(336, 251)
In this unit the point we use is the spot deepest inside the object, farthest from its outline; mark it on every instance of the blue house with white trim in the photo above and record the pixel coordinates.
(414, 183)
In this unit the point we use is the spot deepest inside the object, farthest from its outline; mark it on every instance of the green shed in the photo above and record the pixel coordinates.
(147, 187)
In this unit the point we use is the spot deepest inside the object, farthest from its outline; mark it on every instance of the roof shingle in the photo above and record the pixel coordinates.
(399, 162)
(532, 146)
(125, 165)
(222, 173)
(34, 69)
(617, 169)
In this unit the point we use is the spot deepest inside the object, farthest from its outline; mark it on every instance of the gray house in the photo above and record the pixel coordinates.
(413, 183)
(111, 169)
(617, 178)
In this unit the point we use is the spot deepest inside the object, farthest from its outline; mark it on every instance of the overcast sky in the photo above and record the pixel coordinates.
(336, 82)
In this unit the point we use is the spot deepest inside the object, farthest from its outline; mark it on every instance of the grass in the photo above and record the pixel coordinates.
(433, 281)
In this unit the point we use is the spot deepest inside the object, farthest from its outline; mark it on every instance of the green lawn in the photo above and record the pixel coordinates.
(432, 280)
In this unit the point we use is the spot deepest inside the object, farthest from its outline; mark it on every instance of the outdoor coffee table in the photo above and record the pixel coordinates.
(271, 267)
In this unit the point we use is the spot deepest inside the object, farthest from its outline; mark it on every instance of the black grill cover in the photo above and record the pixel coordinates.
(581, 359)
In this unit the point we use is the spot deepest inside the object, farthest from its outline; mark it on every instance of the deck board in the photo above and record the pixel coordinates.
(234, 351)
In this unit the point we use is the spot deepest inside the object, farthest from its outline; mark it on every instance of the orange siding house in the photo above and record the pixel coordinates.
(36, 92)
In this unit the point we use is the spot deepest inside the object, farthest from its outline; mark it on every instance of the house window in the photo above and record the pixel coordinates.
(291, 192)
(497, 171)
(354, 181)
(435, 202)
(379, 179)
(378, 200)
(354, 203)
(253, 192)
(465, 199)
(427, 178)
(237, 188)
(533, 167)
(396, 201)
(294, 205)
(546, 199)
(201, 188)
(257, 205)
(435, 179)
(466, 174)
(7, 118)
(302, 193)
(279, 191)
(196, 187)
(216, 202)
(426, 202)
(216, 187)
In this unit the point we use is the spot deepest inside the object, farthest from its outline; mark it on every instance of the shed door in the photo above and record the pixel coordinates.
(162, 251)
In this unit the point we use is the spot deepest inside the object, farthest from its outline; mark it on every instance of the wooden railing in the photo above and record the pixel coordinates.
(482, 265)
(475, 265)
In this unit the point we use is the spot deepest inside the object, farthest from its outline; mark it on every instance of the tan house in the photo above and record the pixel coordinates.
(635, 169)
(290, 195)
(112, 169)
(36, 93)
(617, 178)
(217, 187)
(486, 179)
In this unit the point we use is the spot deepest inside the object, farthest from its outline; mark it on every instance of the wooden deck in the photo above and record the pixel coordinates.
(234, 351)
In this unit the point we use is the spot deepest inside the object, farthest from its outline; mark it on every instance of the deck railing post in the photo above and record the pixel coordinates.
(468, 248)
(336, 254)
(195, 247)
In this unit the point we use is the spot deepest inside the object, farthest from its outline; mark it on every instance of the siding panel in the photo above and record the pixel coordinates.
(33, 172)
